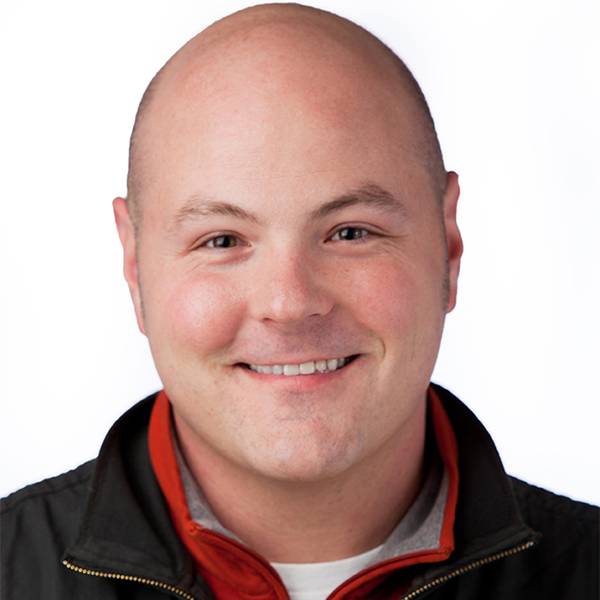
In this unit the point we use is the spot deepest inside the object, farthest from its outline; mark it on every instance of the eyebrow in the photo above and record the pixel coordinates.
(369, 194)
(204, 207)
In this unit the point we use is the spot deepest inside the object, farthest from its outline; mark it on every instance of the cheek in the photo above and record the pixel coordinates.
(384, 296)
(199, 313)
(402, 303)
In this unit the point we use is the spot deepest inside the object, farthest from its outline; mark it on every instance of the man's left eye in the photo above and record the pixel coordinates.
(349, 233)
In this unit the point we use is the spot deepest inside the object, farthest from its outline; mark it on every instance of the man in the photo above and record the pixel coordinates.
(291, 248)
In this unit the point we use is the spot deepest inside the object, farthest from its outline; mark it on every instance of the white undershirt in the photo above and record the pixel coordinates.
(315, 581)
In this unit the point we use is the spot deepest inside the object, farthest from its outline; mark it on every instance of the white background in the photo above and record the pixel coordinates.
(514, 89)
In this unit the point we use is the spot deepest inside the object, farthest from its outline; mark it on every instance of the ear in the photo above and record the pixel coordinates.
(130, 266)
(454, 241)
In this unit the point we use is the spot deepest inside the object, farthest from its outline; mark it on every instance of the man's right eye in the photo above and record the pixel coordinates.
(223, 241)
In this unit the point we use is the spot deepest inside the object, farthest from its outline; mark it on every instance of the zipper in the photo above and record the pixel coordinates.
(467, 568)
(158, 584)
(414, 594)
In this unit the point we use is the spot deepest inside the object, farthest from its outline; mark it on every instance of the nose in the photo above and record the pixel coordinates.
(290, 289)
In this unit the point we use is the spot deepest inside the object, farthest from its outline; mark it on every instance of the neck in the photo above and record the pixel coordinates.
(313, 521)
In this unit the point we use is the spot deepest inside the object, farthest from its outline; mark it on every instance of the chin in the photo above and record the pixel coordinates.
(306, 458)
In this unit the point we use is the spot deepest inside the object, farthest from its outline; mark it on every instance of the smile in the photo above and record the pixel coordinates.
(307, 368)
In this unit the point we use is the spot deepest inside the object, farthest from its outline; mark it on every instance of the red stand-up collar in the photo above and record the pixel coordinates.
(234, 572)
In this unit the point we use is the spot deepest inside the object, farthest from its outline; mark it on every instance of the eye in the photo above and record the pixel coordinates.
(223, 241)
(349, 234)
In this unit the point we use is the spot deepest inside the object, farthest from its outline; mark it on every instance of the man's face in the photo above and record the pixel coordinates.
(282, 231)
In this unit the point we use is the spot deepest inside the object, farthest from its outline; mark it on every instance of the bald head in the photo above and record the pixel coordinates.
(245, 67)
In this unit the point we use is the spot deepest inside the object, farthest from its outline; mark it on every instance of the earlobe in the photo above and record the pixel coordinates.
(130, 266)
(454, 243)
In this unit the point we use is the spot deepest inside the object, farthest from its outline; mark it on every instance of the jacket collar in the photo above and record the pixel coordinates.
(487, 519)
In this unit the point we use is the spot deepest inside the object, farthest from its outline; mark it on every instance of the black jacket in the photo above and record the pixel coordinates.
(103, 531)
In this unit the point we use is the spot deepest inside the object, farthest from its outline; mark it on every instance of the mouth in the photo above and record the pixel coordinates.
(319, 367)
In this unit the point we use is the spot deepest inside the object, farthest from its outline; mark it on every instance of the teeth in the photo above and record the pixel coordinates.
(307, 368)
(291, 369)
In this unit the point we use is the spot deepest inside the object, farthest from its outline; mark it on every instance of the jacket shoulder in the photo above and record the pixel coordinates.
(567, 554)
(38, 522)
(52, 487)
(539, 506)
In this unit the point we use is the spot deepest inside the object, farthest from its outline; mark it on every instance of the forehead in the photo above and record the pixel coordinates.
(261, 114)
